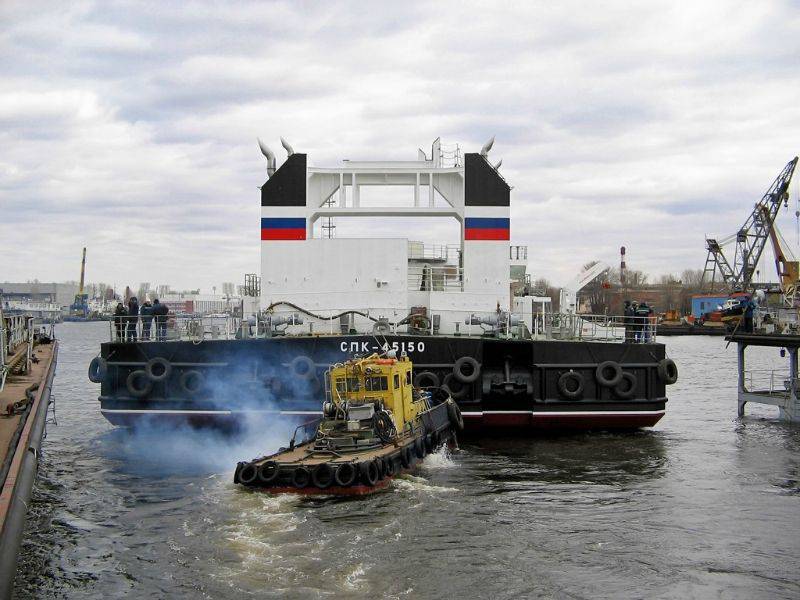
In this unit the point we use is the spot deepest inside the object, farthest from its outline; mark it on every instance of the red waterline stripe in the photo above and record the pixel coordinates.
(486, 234)
(283, 234)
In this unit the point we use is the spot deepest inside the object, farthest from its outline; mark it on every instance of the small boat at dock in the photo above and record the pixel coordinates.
(375, 425)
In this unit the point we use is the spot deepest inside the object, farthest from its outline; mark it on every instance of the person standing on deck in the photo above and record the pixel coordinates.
(146, 312)
(643, 313)
(749, 307)
(120, 321)
(133, 318)
(160, 311)
(628, 320)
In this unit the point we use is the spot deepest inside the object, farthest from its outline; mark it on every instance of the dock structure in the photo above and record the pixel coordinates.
(776, 387)
(27, 368)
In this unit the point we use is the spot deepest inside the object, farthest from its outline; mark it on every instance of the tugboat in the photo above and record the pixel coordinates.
(374, 425)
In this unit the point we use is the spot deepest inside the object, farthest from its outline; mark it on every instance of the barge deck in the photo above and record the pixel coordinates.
(24, 403)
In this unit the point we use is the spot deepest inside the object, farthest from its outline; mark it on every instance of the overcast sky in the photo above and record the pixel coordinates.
(131, 127)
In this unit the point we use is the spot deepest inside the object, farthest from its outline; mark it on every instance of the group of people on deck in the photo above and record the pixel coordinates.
(126, 320)
(638, 322)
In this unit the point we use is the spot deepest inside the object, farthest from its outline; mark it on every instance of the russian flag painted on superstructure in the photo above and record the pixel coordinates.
(275, 228)
(487, 228)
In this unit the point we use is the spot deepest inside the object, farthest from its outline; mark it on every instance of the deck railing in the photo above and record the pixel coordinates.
(768, 381)
(288, 320)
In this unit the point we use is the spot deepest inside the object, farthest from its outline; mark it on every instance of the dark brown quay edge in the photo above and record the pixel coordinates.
(21, 448)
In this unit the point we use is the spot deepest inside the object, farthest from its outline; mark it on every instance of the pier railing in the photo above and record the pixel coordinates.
(288, 320)
(775, 382)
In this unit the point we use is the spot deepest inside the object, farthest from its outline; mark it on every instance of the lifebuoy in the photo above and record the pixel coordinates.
(302, 366)
(138, 383)
(668, 371)
(191, 381)
(345, 474)
(369, 472)
(248, 474)
(301, 477)
(158, 368)
(426, 379)
(626, 388)
(604, 377)
(455, 416)
(268, 472)
(98, 369)
(570, 385)
(467, 369)
(454, 387)
(322, 475)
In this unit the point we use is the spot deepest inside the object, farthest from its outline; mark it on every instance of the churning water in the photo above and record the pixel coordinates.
(704, 505)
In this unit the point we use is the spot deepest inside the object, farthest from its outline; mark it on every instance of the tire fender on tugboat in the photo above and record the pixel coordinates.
(455, 416)
(158, 368)
(345, 474)
(626, 388)
(138, 383)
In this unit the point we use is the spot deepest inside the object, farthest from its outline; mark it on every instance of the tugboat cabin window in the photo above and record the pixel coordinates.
(353, 384)
(376, 384)
(396, 381)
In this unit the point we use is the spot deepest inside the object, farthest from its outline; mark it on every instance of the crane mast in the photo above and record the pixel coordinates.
(749, 240)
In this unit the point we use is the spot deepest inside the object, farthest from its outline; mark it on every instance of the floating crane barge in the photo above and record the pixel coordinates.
(464, 314)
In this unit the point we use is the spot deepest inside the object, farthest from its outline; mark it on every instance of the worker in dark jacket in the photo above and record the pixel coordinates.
(747, 311)
(120, 315)
(133, 318)
(146, 312)
(160, 311)
(628, 320)
(643, 313)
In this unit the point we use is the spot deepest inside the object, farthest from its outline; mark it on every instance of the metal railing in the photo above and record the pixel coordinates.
(438, 252)
(15, 331)
(288, 320)
(428, 278)
(171, 327)
(775, 382)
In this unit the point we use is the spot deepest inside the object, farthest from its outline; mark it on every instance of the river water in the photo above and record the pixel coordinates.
(704, 505)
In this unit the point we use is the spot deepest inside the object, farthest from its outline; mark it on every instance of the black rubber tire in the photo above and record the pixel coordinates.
(138, 383)
(601, 373)
(301, 477)
(390, 462)
(473, 370)
(158, 368)
(274, 385)
(345, 474)
(436, 439)
(322, 476)
(268, 472)
(627, 387)
(248, 474)
(429, 443)
(369, 472)
(454, 387)
(98, 369)
(191, 382)
(405, 457)
(668, 371)
(419, 447)
(563, 385)
(426, 379)
(455, 416)
(303, 367)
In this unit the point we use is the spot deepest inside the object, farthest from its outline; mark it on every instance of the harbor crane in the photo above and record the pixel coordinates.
(749, 240)
(80, 306)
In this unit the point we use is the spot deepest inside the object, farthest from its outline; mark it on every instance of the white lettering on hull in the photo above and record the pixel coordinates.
(366, 347)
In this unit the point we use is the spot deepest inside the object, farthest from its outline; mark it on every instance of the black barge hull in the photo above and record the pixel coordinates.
(520, 385)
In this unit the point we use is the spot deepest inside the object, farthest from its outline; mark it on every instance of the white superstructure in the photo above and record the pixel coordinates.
(391, 277)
